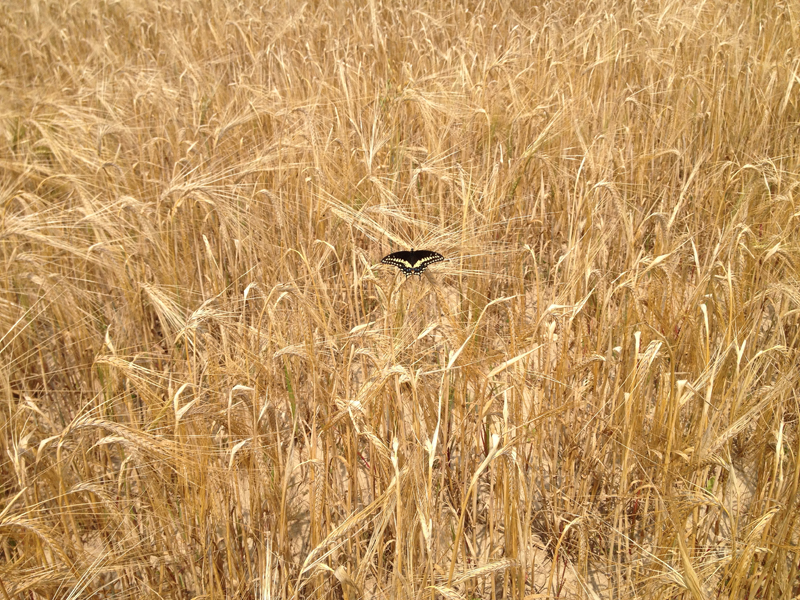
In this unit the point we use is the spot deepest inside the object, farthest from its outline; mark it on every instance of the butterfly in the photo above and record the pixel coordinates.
(412, 262)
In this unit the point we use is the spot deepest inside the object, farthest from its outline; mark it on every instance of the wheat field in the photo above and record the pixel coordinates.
(212, 388)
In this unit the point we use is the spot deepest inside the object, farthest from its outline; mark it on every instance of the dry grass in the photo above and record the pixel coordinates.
(210, 387)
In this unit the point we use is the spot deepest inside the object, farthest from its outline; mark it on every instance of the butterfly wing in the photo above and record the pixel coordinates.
(400, 260)
(425, 258)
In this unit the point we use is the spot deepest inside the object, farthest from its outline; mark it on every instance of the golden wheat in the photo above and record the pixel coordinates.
(211, 387)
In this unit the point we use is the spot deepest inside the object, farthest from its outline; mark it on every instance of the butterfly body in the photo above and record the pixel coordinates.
(412, 262)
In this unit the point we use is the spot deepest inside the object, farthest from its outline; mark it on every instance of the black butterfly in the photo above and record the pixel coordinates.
(412, 262)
